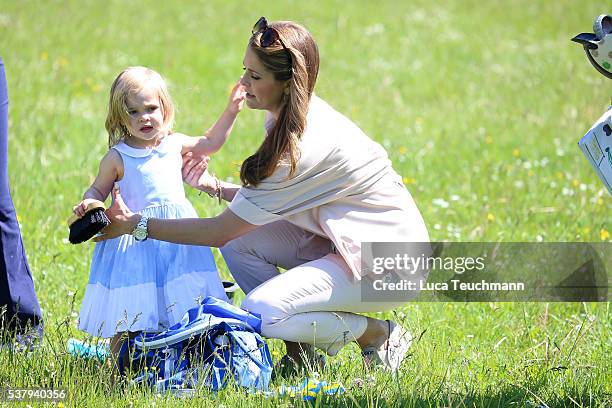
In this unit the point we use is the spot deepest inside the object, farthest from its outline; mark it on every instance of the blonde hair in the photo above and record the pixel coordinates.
(298, 64)
(131, 80)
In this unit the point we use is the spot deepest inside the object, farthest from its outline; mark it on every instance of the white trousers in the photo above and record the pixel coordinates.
(314, 301)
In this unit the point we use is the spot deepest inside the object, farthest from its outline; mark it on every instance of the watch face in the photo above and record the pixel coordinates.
(140, 234)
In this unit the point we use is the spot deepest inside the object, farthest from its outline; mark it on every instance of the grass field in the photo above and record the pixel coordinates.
(479, 104)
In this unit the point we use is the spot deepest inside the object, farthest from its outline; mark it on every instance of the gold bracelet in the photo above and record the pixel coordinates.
(218, 190)
(213, 194)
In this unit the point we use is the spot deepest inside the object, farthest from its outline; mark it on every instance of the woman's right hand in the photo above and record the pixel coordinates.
(122, 219)
(195, 173)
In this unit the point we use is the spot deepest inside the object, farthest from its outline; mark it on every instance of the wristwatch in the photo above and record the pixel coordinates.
(141, 231)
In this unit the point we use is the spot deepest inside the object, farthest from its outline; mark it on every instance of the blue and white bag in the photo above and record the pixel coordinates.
(211, 344)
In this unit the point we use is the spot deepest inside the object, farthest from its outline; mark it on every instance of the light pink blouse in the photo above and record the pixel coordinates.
(344, 189)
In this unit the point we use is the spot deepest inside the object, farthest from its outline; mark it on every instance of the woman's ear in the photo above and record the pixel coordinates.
(287, 87)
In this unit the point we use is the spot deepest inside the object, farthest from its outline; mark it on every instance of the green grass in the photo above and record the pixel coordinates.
(478, 103)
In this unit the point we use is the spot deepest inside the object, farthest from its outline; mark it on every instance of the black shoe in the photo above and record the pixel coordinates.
(287, 367)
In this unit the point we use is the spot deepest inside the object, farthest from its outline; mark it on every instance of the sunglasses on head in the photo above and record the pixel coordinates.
(269, 35)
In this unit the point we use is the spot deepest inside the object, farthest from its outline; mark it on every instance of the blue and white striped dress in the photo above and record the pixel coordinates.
(148, 285)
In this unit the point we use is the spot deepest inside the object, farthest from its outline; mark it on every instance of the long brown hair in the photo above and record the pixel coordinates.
(298, 64)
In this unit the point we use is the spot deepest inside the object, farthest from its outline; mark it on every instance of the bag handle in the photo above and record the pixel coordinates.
(204, 325)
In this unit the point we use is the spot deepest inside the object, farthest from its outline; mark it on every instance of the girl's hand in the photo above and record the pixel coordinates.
(81, 207)
(123, 221)
(237, 98)
(196, 175)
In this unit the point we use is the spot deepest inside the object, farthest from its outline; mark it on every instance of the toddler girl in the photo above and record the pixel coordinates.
(139, 284)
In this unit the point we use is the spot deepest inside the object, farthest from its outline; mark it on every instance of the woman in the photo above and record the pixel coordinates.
(316, 188)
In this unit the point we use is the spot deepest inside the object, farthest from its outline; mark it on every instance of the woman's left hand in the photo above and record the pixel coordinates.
(196, 175)
(191, 162)
(123, 220)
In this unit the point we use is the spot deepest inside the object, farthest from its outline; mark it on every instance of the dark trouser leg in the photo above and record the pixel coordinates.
(17, 294)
